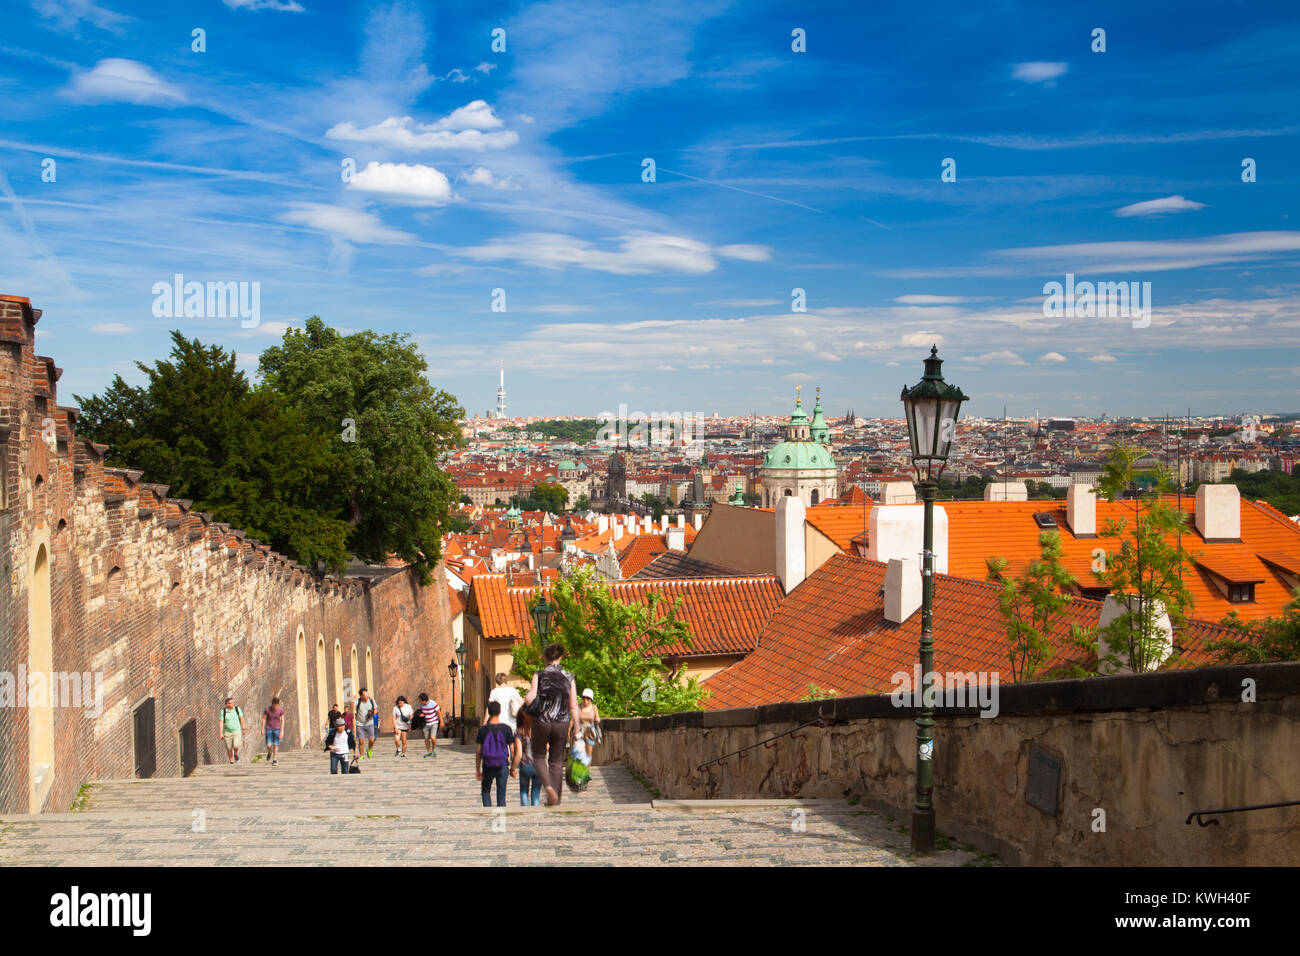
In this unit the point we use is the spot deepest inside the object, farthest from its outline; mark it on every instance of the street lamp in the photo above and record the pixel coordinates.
(542, 613)
(460, 656)
(453, 669)
(931, 407)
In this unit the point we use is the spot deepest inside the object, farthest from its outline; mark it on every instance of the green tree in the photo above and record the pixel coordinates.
(656, 506)
(1145, 574)
(583, 503)
(389, 429)
(614, 648)
(242, 453)
(549, 497)
(1255, 642)
(1030, 602)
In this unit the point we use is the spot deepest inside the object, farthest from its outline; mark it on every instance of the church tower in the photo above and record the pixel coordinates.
(802, 464)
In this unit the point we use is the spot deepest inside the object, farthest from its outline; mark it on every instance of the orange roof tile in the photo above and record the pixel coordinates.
(831, 632)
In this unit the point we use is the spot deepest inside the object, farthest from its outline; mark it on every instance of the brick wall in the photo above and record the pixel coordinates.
(165, 603)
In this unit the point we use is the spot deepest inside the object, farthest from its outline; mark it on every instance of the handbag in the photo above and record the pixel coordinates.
(354, 766)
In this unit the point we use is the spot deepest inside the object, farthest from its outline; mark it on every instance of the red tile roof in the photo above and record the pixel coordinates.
(725, 615)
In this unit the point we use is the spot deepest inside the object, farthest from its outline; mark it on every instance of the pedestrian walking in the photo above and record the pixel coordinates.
(554, 699)
(432, 715)
(590, 723)
(402, 715)
(509, 700)
(496, 755)
(367, 725)
(231, 724)
(339, 744)
(272, 730)
(349, 717)
(530, 784)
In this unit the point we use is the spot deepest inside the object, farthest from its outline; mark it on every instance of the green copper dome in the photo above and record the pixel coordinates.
(799, 454)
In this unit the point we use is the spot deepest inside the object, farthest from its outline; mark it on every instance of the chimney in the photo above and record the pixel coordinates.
(663, 522)
(1081, 511)
(1218, 512)
(647, 522)
(902, 589)
(897, 493)
(790, 563)
(698, 521)
(1006, 491)
(676, 539)
(1113, 608)
(898, 531)
(681, 521)
(602, 524)
(618, 532)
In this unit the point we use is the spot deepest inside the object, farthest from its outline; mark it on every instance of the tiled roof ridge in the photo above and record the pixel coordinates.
(123, 487)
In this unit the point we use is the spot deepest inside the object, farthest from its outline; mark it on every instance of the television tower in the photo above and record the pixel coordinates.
(501, 392)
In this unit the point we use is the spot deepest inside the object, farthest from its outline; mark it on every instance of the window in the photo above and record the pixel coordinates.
(1241, 593)
(815, 497)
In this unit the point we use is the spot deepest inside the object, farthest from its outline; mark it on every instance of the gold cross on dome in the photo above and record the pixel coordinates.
(798, 393)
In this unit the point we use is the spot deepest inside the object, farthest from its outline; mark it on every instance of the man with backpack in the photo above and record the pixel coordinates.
(497, 754)
(231, 723)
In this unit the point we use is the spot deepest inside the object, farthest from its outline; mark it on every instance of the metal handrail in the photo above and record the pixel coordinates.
(794, 731)
(1260, 806)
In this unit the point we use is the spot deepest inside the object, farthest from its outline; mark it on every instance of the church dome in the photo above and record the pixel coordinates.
(798, 454)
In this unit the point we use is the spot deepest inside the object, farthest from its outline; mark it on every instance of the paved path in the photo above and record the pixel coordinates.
(420, 810)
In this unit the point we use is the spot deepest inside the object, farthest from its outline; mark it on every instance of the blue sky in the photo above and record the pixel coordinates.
(776, 170)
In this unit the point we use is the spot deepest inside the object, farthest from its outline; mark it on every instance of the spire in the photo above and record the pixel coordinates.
(818, 430)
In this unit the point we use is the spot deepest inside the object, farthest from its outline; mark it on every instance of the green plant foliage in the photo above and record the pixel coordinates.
(1029, 602)
(613, 648)
(1255, 642)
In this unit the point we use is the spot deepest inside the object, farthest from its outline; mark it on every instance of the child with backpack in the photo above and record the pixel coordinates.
(496, 755)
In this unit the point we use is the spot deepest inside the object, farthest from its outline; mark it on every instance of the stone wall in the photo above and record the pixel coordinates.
(1147, 750)
(162, 603)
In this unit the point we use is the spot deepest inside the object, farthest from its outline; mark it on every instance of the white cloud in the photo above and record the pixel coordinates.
(1052, 357)
(747, 253)
(112, 328)
(351, 224)
(934, 299)
(636, 253)
(117, 80)
(286, 6)
(481, 176)
(68, 14)
(1038, 72)
(485, 68)
(397, 182)
(1162, 254)
(920, 340)
(472, 127)
(1102, 358)
(1001, 357)
(1158, 207)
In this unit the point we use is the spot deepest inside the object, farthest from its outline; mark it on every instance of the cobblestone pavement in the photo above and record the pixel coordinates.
(421, 810)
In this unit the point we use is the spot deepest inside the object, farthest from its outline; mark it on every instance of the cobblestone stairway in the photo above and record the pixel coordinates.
(422, 810)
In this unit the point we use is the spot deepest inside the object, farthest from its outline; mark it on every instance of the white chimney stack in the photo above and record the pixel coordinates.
(1081, 510)
(698, 522)
(902, 589)
(647, 522)
(1218, 512)
(676, 539)
(1112, 608)
(663, 522)
(1006, 491)
(898, 493)
(790, 563)
(602, 523)
(681, 521)
(898, 531)
(618, 532)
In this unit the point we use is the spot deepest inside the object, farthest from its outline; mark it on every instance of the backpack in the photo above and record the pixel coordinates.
(496, 752)
(417, 718)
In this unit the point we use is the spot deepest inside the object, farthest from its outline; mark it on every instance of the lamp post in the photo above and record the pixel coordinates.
(453, 669)
(460, 656)
(542, 613)
(931, 407)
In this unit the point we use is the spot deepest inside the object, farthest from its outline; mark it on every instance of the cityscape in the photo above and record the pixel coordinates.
(697, 436)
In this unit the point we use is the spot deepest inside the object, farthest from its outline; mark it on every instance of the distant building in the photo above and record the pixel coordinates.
(801, 464)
